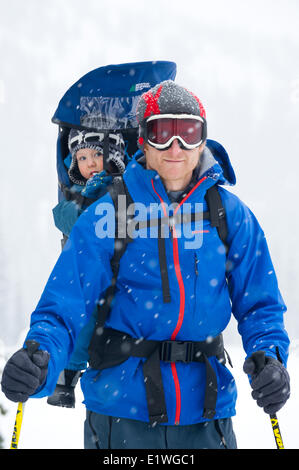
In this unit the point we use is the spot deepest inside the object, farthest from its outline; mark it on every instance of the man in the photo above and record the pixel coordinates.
(157, 375)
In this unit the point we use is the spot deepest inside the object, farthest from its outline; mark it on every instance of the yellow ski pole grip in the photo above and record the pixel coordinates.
(32, 347)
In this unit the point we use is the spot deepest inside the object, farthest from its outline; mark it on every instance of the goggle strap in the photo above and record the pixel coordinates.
(175, 116)
(81, 138)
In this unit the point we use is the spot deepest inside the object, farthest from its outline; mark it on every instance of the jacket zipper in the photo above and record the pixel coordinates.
(196, 260)
(179, 322)
(182, 295)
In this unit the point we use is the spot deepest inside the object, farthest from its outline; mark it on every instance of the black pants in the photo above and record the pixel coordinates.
(106, 432)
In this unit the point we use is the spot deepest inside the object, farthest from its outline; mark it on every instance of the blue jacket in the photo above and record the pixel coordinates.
(243, 282)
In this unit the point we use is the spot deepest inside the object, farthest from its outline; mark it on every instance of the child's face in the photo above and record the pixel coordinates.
(90, 161)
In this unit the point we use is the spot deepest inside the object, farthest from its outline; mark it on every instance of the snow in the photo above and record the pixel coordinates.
(50, 427)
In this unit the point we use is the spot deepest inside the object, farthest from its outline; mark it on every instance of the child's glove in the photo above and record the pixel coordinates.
(96, 185)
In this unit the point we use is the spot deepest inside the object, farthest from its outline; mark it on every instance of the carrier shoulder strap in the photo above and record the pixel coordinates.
(217, 213)
(118, 188)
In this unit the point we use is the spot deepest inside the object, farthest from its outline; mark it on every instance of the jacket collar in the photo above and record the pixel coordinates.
(214, 163)
(214, 167)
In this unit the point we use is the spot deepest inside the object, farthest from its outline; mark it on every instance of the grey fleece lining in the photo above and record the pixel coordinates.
(207, 160)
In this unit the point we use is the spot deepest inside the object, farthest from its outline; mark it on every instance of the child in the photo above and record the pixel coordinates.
(89, 183)
(86, 173)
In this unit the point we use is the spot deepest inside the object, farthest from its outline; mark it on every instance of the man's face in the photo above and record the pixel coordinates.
(174, 165)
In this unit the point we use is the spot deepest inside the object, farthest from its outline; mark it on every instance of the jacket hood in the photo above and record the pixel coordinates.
(215, 153)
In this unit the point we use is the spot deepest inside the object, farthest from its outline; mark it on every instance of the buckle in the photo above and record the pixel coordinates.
(208, 413)
(174, 351)
(221, 212)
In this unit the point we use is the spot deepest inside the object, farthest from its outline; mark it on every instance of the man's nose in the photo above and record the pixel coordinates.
(175, 147)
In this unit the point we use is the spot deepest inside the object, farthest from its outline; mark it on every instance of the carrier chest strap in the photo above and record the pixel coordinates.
(114, 347)
(171, 220)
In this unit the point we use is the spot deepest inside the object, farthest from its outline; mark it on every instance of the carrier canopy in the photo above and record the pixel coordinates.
(106, 99)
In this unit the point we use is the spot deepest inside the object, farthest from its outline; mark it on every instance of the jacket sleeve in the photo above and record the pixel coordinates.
(65, 215)
(256, 300)
(80, 275)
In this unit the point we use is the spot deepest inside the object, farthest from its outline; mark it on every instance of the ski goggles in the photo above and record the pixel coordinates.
(162, 130)
(95, 138)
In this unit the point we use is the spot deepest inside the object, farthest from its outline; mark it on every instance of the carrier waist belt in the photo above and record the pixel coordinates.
(115, 347)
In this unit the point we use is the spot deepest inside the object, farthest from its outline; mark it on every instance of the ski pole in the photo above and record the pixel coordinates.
(32, 347)
(276, 432)
(259, 360)
(17, 426)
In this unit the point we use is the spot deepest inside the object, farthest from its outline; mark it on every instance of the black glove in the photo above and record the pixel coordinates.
(270, 381)
(24, 373)
(64, 393)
